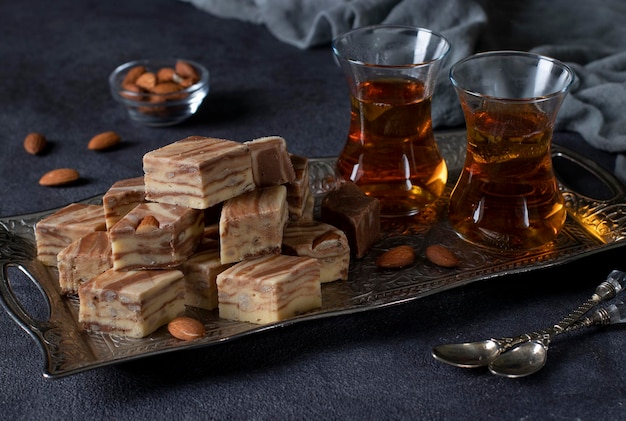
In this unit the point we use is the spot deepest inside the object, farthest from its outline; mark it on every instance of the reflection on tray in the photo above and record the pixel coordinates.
(593, 225)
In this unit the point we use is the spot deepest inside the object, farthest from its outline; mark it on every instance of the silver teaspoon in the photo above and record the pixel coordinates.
(523, 360)
(530, 357)
(474, 354)
(481, 353)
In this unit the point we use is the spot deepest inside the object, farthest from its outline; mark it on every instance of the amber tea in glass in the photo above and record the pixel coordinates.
(391, 153)
(507, 195)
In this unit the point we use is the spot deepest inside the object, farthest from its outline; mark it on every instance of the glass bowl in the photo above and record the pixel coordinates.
(160, 92)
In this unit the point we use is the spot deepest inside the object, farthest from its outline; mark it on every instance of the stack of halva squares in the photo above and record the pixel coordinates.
(212, 223)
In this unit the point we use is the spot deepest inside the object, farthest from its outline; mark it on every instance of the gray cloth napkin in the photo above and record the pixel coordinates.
(590, 36)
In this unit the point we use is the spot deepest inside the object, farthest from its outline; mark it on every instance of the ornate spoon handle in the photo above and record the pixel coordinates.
(614, 283)
(609, 288)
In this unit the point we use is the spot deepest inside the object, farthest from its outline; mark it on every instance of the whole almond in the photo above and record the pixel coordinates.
(397, 257)
(187, 71)
(146, 81)
(165, 74)
(59, 177)
(148, 223)
(133, 74)
(104, 141)
(441, 256)
(131, 91)
(187, 82)
(35, 143)
(167, 91)
(186, 328)
(166, 88)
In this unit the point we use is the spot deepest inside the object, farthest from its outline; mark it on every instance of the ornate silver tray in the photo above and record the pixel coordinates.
(593, 225)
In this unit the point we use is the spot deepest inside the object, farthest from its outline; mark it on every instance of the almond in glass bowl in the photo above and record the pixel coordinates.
(160, 92)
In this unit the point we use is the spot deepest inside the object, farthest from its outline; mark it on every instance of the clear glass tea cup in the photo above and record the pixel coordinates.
(391, 152)
(507, 196)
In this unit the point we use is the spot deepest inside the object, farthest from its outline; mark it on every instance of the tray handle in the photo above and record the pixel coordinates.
(608, 179)
(15, 309)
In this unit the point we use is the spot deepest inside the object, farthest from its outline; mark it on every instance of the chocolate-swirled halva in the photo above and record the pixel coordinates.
(131, 303)
(197, 172)
(269, 289)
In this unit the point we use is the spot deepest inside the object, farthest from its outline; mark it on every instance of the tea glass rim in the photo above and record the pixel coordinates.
(510, 53)
(415, 29)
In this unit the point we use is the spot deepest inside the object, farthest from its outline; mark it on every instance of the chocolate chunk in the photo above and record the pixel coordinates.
(356, 214)
(271, 165)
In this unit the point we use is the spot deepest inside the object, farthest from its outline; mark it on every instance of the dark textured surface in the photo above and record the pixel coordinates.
(374, 365)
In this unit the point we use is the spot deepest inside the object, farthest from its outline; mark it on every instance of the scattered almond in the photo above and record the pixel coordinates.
(441, 256)
(35, 143)
(186, 328)
(59, 177)
(148, 223)
(104, 141)
(397, 257)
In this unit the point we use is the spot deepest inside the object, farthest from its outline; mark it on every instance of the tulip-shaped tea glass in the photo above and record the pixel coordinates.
(507, 195)
(391, 152)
